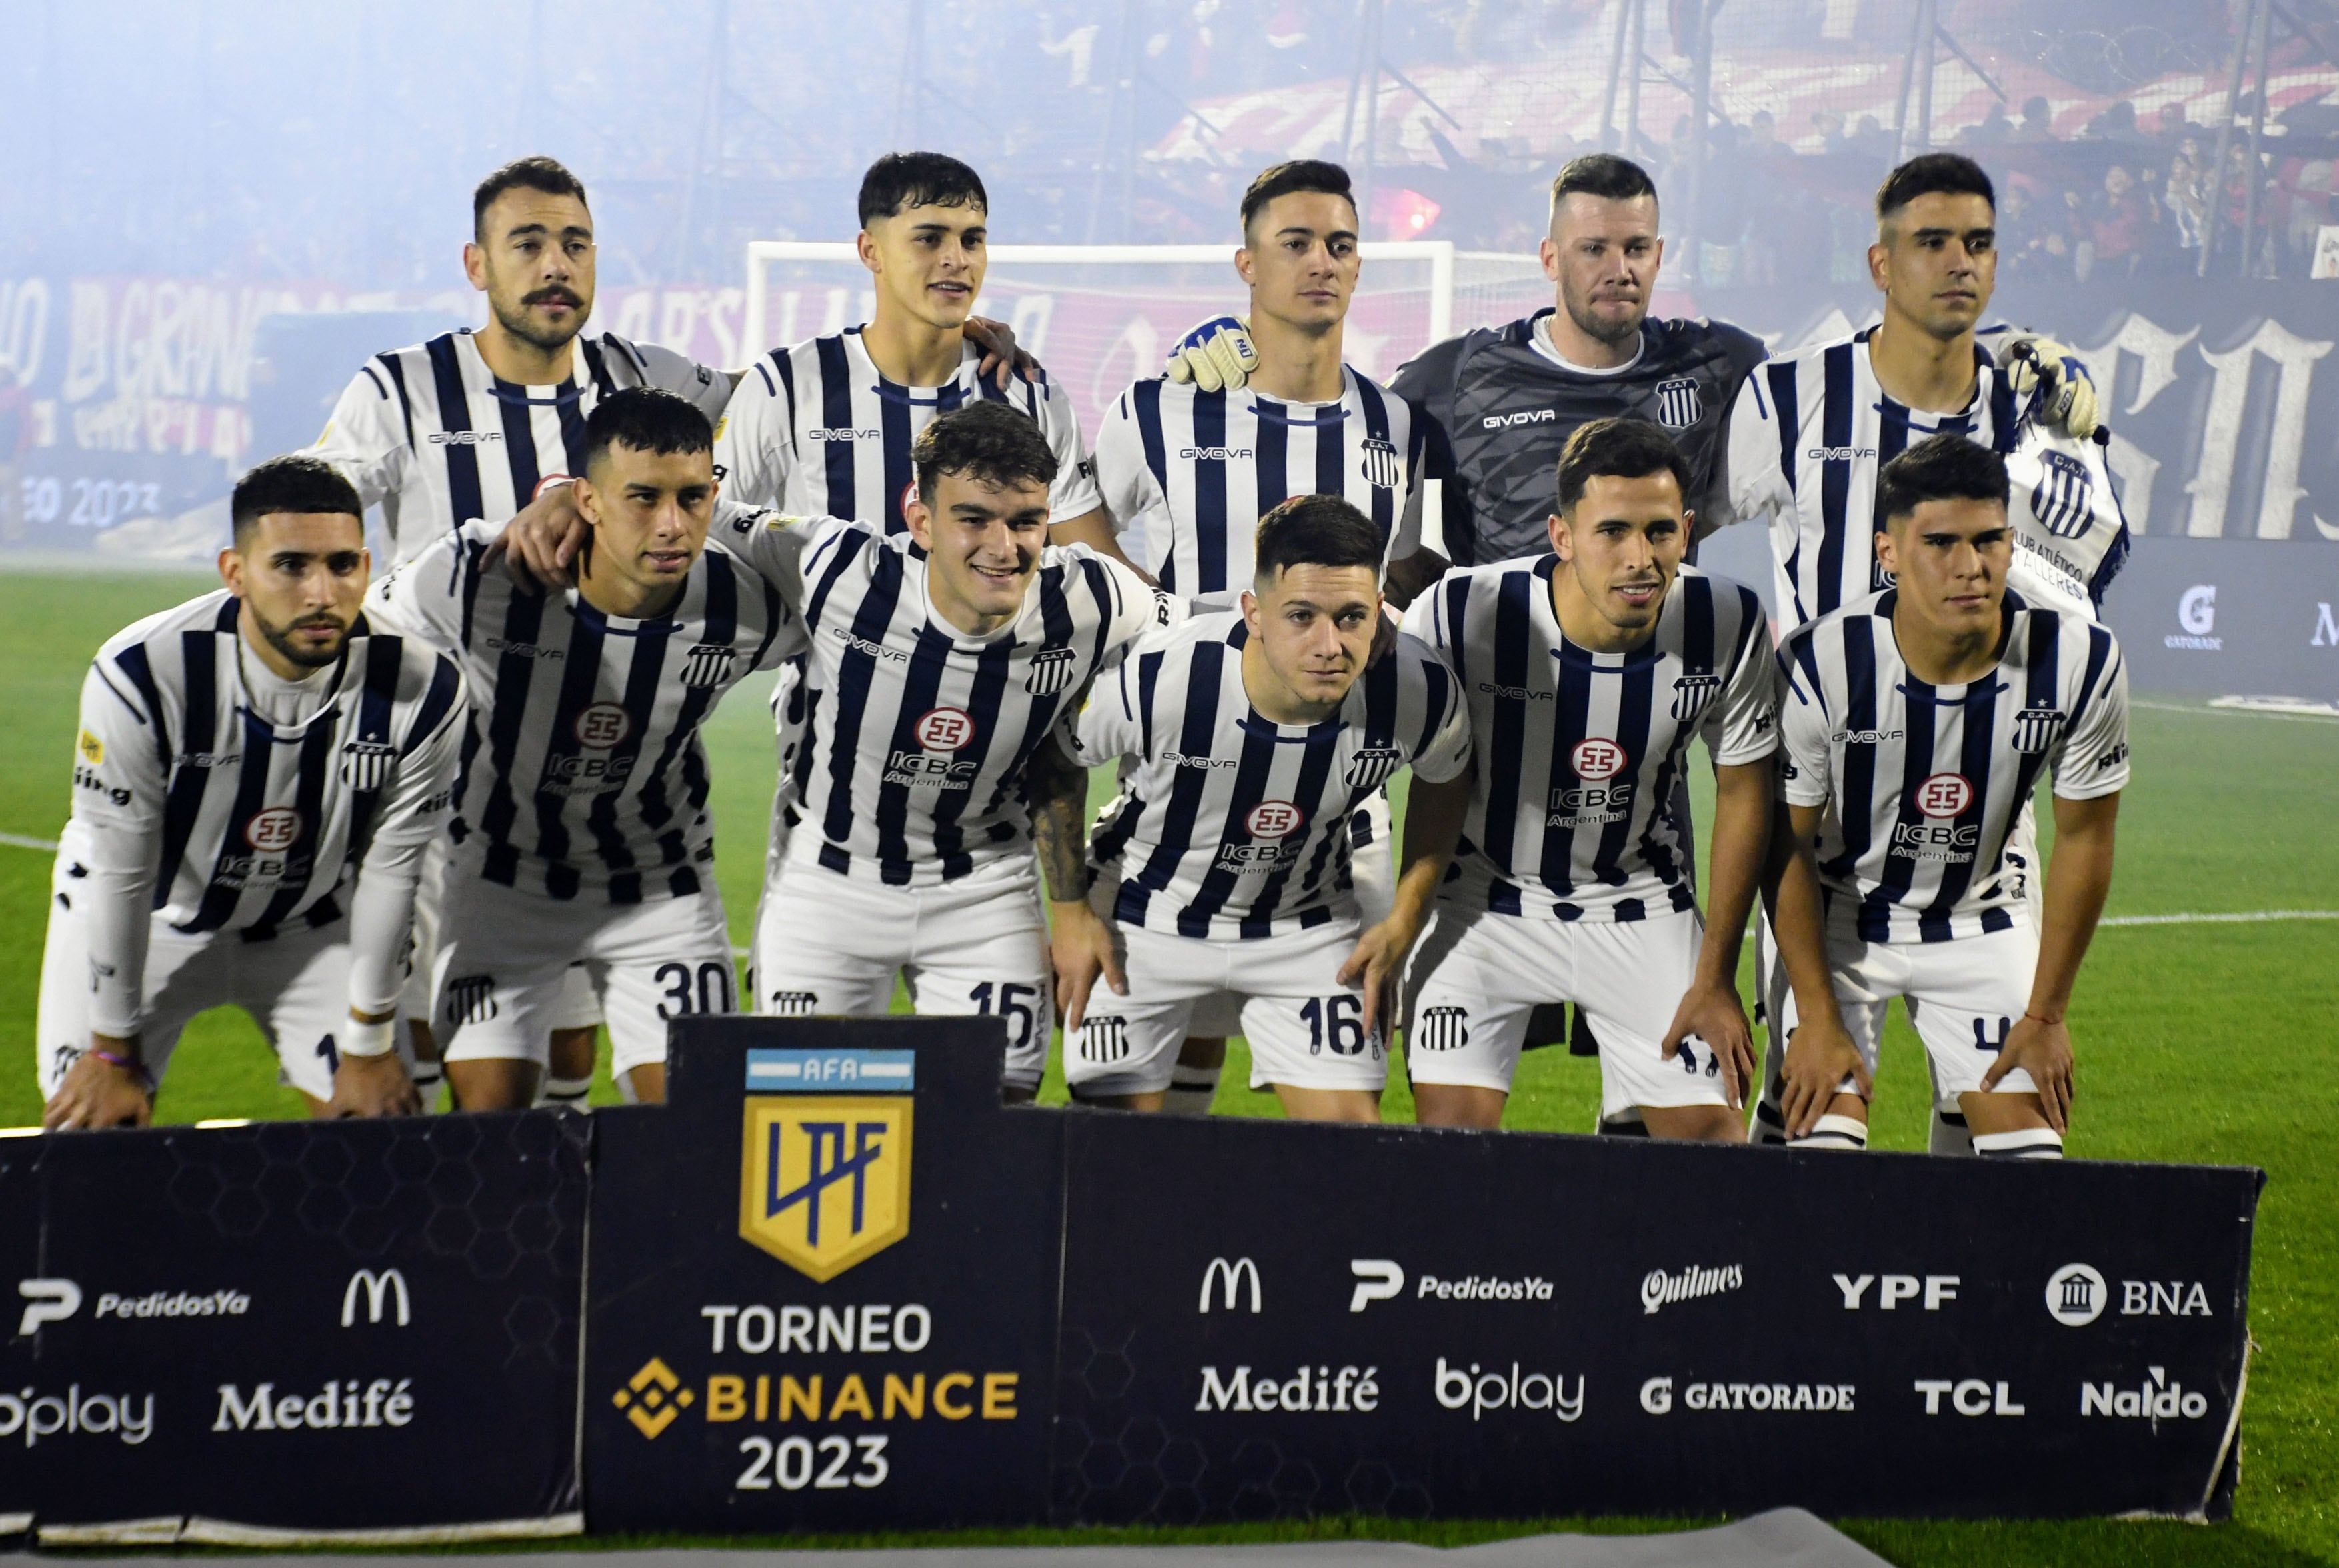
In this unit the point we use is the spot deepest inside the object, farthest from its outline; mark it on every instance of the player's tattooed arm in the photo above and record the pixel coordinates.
(1711, 1009)
(2079, 879)
(1082, 943)
(1434, 815)
(1820, 1055)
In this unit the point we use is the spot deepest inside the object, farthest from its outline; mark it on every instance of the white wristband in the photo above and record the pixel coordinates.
(361, 1039)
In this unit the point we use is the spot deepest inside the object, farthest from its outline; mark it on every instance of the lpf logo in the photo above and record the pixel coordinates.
(944, 729)
(602, 726)
(824, 1183)
(1596, 758)
(1944, 795)
(1273, 819)
(272, 830)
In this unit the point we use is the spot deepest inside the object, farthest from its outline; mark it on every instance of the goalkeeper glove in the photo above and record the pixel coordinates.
(1215, 356)
(2066, 393)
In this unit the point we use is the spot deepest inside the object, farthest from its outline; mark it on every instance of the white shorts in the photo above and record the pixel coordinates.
(829, 944)
(295, 985)
(1372, 859)
(505, 958)
(1963, 995)
(1475, 976)
(1280, 992)
(579, 1006)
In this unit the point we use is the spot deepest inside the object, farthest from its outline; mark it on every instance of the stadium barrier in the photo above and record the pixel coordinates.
(836, 1286)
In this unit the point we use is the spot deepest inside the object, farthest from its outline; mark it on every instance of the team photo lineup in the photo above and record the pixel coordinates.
(438, 821)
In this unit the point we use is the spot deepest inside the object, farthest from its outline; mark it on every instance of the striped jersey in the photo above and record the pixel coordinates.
(436, 438)
(1922, 782)
(1196, 471)
(1578, 753)
(2070, 535)
(817, 431)
(582, 772)
(236, 823)
(1229, 824)
(1807, 438)
(912, 771)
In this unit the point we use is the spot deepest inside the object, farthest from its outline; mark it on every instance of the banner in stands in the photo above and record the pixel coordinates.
(265, 1334)
(2235, 618)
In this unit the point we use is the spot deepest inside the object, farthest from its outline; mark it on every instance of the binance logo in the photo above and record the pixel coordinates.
(824, 1182)
(653, 1397)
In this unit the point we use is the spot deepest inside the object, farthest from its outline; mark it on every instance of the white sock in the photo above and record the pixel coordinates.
(1191, 1089)
(1835, 1132)
(569, 1093)
(2030, 1143)
(1949, 1135)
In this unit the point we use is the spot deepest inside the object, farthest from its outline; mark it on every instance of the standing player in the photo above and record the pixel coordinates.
(1254, 734)
(488, 423)
(940, 658)
(1587, 673)
(1919, 719)
(581, 833)
(257, 774)
(1809, 435)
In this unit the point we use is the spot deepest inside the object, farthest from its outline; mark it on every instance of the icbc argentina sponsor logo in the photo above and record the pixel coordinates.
(940, 732)
(603, 726)
(1272, 825)
(1941, 799)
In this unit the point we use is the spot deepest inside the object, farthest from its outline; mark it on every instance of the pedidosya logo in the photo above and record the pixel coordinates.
(824, 1164)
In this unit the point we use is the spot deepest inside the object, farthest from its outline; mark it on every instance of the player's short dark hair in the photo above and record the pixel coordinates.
(1933, 173)
(900, 181)
(536, 173)
(986, 441)
(1943, 467)
(1623, 448)
(1602, 174)
(1315, 531)
(649, 420)
(1300, 174)
(295, 483)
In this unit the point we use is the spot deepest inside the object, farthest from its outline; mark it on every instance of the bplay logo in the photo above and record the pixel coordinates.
(1479, 1392)
(2196, 613)
(74, 1415)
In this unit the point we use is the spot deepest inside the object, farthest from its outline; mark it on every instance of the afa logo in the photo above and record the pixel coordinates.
(824, 1181)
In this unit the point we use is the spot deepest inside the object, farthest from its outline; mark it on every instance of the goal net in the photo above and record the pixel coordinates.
(1101, 316)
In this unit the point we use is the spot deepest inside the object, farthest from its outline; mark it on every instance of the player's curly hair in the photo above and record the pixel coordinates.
(1624, 447)
(986, 441)
(1943, 467)
(537, 173)
(1933, 173)
(1314, 531)
(900, 181)
(1311, 175)
(294, 483)
(649, 420)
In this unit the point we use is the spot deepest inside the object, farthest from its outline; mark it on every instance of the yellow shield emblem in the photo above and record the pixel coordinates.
(824, 1182)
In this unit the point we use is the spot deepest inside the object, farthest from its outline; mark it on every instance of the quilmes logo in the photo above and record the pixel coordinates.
(1228, 1278)
(1660, 1289)
(824, 1178)
(385, 1289)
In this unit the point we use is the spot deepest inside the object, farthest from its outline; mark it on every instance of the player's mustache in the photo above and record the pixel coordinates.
(551, 296)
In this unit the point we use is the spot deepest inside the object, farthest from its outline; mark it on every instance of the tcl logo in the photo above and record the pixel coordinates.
(1273, 819)
(1597, 758)
(944, 729)
(602, 726)
(273, 829)
(1944, 795)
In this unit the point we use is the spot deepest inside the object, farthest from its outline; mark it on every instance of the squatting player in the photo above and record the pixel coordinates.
(258, 773)
(940, 658)
(1252, 736)
(1587, 673)
(1916, 722)
(488, 424)
(581, 833)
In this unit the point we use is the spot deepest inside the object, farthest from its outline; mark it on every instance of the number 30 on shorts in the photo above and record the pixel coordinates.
(1340, 1017)
(690, 992)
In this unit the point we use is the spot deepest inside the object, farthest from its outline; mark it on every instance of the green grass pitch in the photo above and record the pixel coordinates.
(2197, 1042)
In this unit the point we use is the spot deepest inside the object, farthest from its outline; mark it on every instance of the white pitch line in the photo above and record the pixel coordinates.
(18, 841)
(2233, 713)
(2250, 917)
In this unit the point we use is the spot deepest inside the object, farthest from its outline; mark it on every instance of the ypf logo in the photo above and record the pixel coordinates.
(824, 1183)
(2076, 1296)
(602, 726)
(1273, 819)
(944, 729)
(653, 1397)
(1944, 795)
(1597, 757)
(272, 830)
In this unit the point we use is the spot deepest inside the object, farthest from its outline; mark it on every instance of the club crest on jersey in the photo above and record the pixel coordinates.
(365, 765)
(1596, 757)
(1371, 766)
(824, 1181)
(2034, 729)
(1052, 670)
(1382, 470)
(603, 726)
(1691, 693)
(1677, 403)
(1440, 1028)
(272, 830)
(1944, 795)
(2063, 500)
(708, 664)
